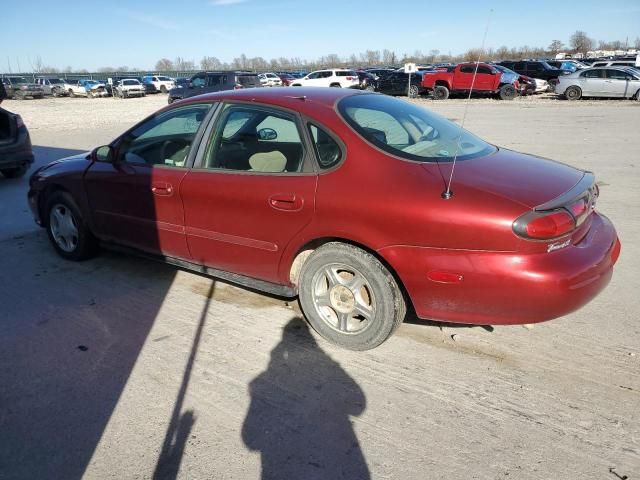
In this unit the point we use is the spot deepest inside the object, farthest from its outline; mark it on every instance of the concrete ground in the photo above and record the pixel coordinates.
(122, 368)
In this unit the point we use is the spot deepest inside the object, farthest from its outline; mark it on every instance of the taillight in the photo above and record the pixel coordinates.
(351, 78)
(19, 121)
(238, 86)
(544, 225)
(579, 210)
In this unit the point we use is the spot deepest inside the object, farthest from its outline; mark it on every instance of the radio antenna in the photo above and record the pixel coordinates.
(448, 193)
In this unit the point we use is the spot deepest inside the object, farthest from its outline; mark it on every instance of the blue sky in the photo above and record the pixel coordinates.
(138, 33)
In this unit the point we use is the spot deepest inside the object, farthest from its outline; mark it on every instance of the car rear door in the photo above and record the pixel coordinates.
(252, 191)
(135, 197)
(592, 83)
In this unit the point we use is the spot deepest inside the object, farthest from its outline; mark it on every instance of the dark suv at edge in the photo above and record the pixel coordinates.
(535, 69)
(16, 155)
(207, 82)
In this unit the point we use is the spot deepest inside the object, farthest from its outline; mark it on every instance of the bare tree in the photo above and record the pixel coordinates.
(434, 54)
(332, 60)
(580, 42)
(37, 65)
(106, 69)
(555, 46)
(210, 63)
(636, 44)
(164, 65)
(183, 65)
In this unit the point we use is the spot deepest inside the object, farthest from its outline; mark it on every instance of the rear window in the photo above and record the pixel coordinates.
(248, 80)
(408, 131)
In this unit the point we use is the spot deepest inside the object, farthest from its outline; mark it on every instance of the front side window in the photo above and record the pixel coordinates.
(408, 131)
(466, 69)
(255, 139)
(618, 75)
(164, 139)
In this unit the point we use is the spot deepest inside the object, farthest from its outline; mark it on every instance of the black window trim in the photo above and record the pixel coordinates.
(341, 145)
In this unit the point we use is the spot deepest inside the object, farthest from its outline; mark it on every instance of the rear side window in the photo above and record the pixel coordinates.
(345, 74)
(592, 74)
(327, 150)
(618, 75)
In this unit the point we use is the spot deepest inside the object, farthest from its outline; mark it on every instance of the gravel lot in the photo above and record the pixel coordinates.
(121, 368)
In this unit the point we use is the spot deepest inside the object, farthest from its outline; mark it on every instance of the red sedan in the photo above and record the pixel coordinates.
(342, 198)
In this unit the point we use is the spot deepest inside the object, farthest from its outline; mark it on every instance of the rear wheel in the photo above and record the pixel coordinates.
(637, 97)
(413, 91)
(349, 297)
(67, 230)
(14, 172)
(440, 92)
(573, 93)
(508, 92)
(71, 94)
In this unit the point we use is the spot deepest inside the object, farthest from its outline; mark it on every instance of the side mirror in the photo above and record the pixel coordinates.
(102, 154)
(267, 134)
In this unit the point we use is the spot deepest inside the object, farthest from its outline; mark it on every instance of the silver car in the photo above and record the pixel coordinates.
(619, 82)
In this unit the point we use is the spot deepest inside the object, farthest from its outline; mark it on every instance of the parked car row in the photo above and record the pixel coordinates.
(20, 87)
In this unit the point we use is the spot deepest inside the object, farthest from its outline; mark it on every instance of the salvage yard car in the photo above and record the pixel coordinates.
(335, 77)
(56, 87)
(20, 88)
(16, 154)
(207, 82)
(340, 197)
(613, 82)
(129, 87)
(480, 78)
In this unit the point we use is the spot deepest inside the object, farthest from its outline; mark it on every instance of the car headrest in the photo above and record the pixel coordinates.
(268, 162)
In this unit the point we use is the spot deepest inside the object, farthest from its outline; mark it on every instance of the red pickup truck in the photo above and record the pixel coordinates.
(458, 79)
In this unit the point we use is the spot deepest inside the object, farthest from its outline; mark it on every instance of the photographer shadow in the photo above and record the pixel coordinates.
(299, 417)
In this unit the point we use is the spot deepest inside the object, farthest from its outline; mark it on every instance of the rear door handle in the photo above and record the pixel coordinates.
(286, 201)
(162, 189)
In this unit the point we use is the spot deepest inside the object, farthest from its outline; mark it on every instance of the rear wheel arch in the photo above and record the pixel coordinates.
(301, 255)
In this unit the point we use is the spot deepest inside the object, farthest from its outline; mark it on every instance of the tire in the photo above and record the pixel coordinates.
(169, 100)
(337, 282)
(508, 92)
(54, 92)
(370, 88)
(573, 93)
(67, 230)
(414, 91)
(163, 89)
(637, 97)
(71, 94)
(20, 96)
(15, 172)
(440, 92)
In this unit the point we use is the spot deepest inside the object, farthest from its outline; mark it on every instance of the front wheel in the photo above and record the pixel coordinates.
(67, 230)
(349, 297)
(573, 93)
(508, 92)
(413, 91)
(440, 92)
(163, 89)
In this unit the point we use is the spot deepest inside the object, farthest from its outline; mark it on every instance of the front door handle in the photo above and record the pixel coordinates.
(162, 189)
(286, 201)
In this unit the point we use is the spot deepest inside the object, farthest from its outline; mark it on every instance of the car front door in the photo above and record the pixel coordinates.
(134, 198)
(618, 83)
(252, 191)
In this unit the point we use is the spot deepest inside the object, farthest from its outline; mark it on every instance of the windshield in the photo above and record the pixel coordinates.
(56, 80)
(408, 131)
(248, 80)
(18, 80)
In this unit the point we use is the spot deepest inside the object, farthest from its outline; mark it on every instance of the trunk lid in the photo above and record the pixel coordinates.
(529, 180)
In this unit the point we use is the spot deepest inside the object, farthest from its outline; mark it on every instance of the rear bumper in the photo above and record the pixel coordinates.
(18, 153)
(507, 287)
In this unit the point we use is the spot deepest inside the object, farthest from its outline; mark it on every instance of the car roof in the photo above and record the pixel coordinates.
(302, 99)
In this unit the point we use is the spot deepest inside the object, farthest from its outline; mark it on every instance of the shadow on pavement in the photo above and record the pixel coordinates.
(180, 426)
(299, 417)
(70, 334)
